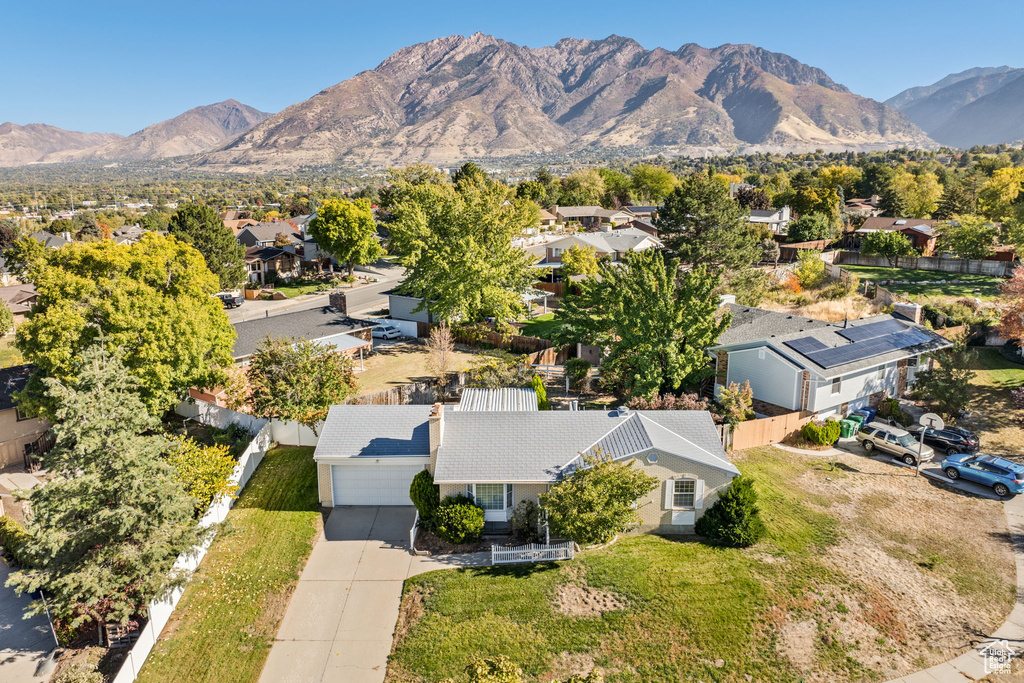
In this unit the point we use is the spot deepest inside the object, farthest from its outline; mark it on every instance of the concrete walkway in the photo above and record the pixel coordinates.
(971, 665)
(340, 623)
(24, 643)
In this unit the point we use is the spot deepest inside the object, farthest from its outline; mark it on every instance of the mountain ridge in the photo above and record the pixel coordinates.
(457, 97)
(26, 144)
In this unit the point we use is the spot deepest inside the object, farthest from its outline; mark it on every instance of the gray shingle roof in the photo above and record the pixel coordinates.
(756, 324)
(12, 380)
(353, 431)
(316, 323)
(268, 232)
(539, 446)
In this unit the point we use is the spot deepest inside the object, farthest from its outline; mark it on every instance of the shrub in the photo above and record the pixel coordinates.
(578, 371)
(670, 402)
(791, 283)
(526, 521)
(426, 496)
(204, 471)
(459, 519)
(542, 393)
(734, 519)
(12, 539)
(890, 407)
(80, 674)
(811, 270)
(822, 434)
(736, 402)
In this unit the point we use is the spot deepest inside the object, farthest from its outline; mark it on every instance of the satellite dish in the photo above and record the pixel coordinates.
(932, 420)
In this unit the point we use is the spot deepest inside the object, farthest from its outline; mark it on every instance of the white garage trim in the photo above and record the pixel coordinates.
(378, 481)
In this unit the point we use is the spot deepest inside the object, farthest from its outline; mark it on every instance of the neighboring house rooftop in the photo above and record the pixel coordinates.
(264, 253)
(507, 399)
(19, 298)
(314, 324)
(832, 349)
(544, 445)
(375, 432)
(876, 223)
(268, 232)
(642, 209)
(48, 239)
(613, 241)
(12, 380)
(342, 342)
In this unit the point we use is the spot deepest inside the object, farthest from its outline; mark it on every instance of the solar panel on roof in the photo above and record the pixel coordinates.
(869, 348)
(805, 345)
(872, 330)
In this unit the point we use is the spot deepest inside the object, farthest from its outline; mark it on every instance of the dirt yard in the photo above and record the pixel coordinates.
(931, 571)
(397, 364)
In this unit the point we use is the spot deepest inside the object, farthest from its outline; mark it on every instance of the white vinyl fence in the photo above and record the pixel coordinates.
(533, 552)
(160, 610)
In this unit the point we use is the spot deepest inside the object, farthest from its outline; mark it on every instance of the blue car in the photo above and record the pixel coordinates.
(1005, 477)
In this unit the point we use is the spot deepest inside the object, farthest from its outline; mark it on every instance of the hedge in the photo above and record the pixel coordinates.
(822, 434)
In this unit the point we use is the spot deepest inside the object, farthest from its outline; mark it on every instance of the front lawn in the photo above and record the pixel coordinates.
(993, 414)
(981, 286)
(292, 291)
(854, 582)
(228, 617)
(542, 326)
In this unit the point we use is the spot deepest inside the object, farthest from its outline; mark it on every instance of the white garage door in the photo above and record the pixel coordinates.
(373, 484)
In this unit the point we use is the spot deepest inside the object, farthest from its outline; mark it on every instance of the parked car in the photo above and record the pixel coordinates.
(230, 300)
(386, 332)
(1004, 476)
(893, 440)
(948, 440)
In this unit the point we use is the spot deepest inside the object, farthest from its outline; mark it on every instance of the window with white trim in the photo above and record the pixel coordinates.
(684, 493)
(837, 385)
(490, 496)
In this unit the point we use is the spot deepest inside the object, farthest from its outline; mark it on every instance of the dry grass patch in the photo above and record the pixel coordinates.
(397, 364)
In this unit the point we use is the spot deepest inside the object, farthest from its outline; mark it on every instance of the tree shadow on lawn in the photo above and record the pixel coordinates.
(524, 570)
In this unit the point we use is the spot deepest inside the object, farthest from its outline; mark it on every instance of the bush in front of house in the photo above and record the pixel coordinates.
(459, 519)
(425, 496)
(734, 519)
(526, 521)
(12, 539)
(542, 393)
(891, 409)
(823, 434)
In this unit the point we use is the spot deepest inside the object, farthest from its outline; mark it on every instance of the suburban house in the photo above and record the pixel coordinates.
(611, 243)
(19, 434)
(323, 325)
(546, 219)
(128, 234)
(50, 240)
(920, 231)
(644, 224)
(863, 207)
(19, 298)
(368, 455)
(777, 220)
(591, 216)
(261, 262)
(801, 364)
(403, 307)
(266, 235)
(647, 212)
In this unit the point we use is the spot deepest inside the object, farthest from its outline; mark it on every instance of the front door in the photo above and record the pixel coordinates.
(495, 499)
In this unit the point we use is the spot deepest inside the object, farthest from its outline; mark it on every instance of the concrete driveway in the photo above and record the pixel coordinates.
(24, 643)
(341, 620)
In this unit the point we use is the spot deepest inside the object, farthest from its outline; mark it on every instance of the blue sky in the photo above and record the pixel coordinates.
(117, 66)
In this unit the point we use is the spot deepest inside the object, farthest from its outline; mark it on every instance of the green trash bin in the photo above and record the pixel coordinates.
(859, 419)
(847, 428)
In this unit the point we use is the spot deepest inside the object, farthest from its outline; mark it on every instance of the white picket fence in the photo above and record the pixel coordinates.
(533, 552)
(160, 610)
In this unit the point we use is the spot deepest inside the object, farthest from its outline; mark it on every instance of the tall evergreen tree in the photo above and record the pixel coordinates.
(106, 529)
(656, 320)
(703, 225)
(201, 227)
(955, 201)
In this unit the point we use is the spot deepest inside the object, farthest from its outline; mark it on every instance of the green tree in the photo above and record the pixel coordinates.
(583, 188)
(811, 270)
(736, 402)
(703, 225)
(579, 260)
(153, 297)
(651, 183)
(203, 471)
(6, 319)
(498, 369)
(155, 220)
(542, 394)
(955, 201)
(469, 174)
(888, 243)
(9, 232)
(531, 189)
(598, 500)
(201, 227)
(347, 231)
(298, 380)
(810, 227)
(735, 518)
(892, 202)
(458, 252)
(618, 188)
(426, 496)
(655, 319)
(23, 255)
(106, 528)
(947, 385)
(753, 198)
(967, 237)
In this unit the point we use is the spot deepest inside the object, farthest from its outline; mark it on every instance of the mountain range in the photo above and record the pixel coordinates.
(980, 106)
(462, 97)
(196, 130)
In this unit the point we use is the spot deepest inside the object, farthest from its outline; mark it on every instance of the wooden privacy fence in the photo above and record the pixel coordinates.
(533, 552)
(944, 265)
(753, 433)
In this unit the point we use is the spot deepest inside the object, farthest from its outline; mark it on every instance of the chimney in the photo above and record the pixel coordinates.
(338, 301)
(912, 312)
(436, 428)
(725, 299)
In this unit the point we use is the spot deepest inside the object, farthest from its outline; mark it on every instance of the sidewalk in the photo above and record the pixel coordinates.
(24, 643)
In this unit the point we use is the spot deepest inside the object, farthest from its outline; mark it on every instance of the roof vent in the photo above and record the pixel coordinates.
(622, 411)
